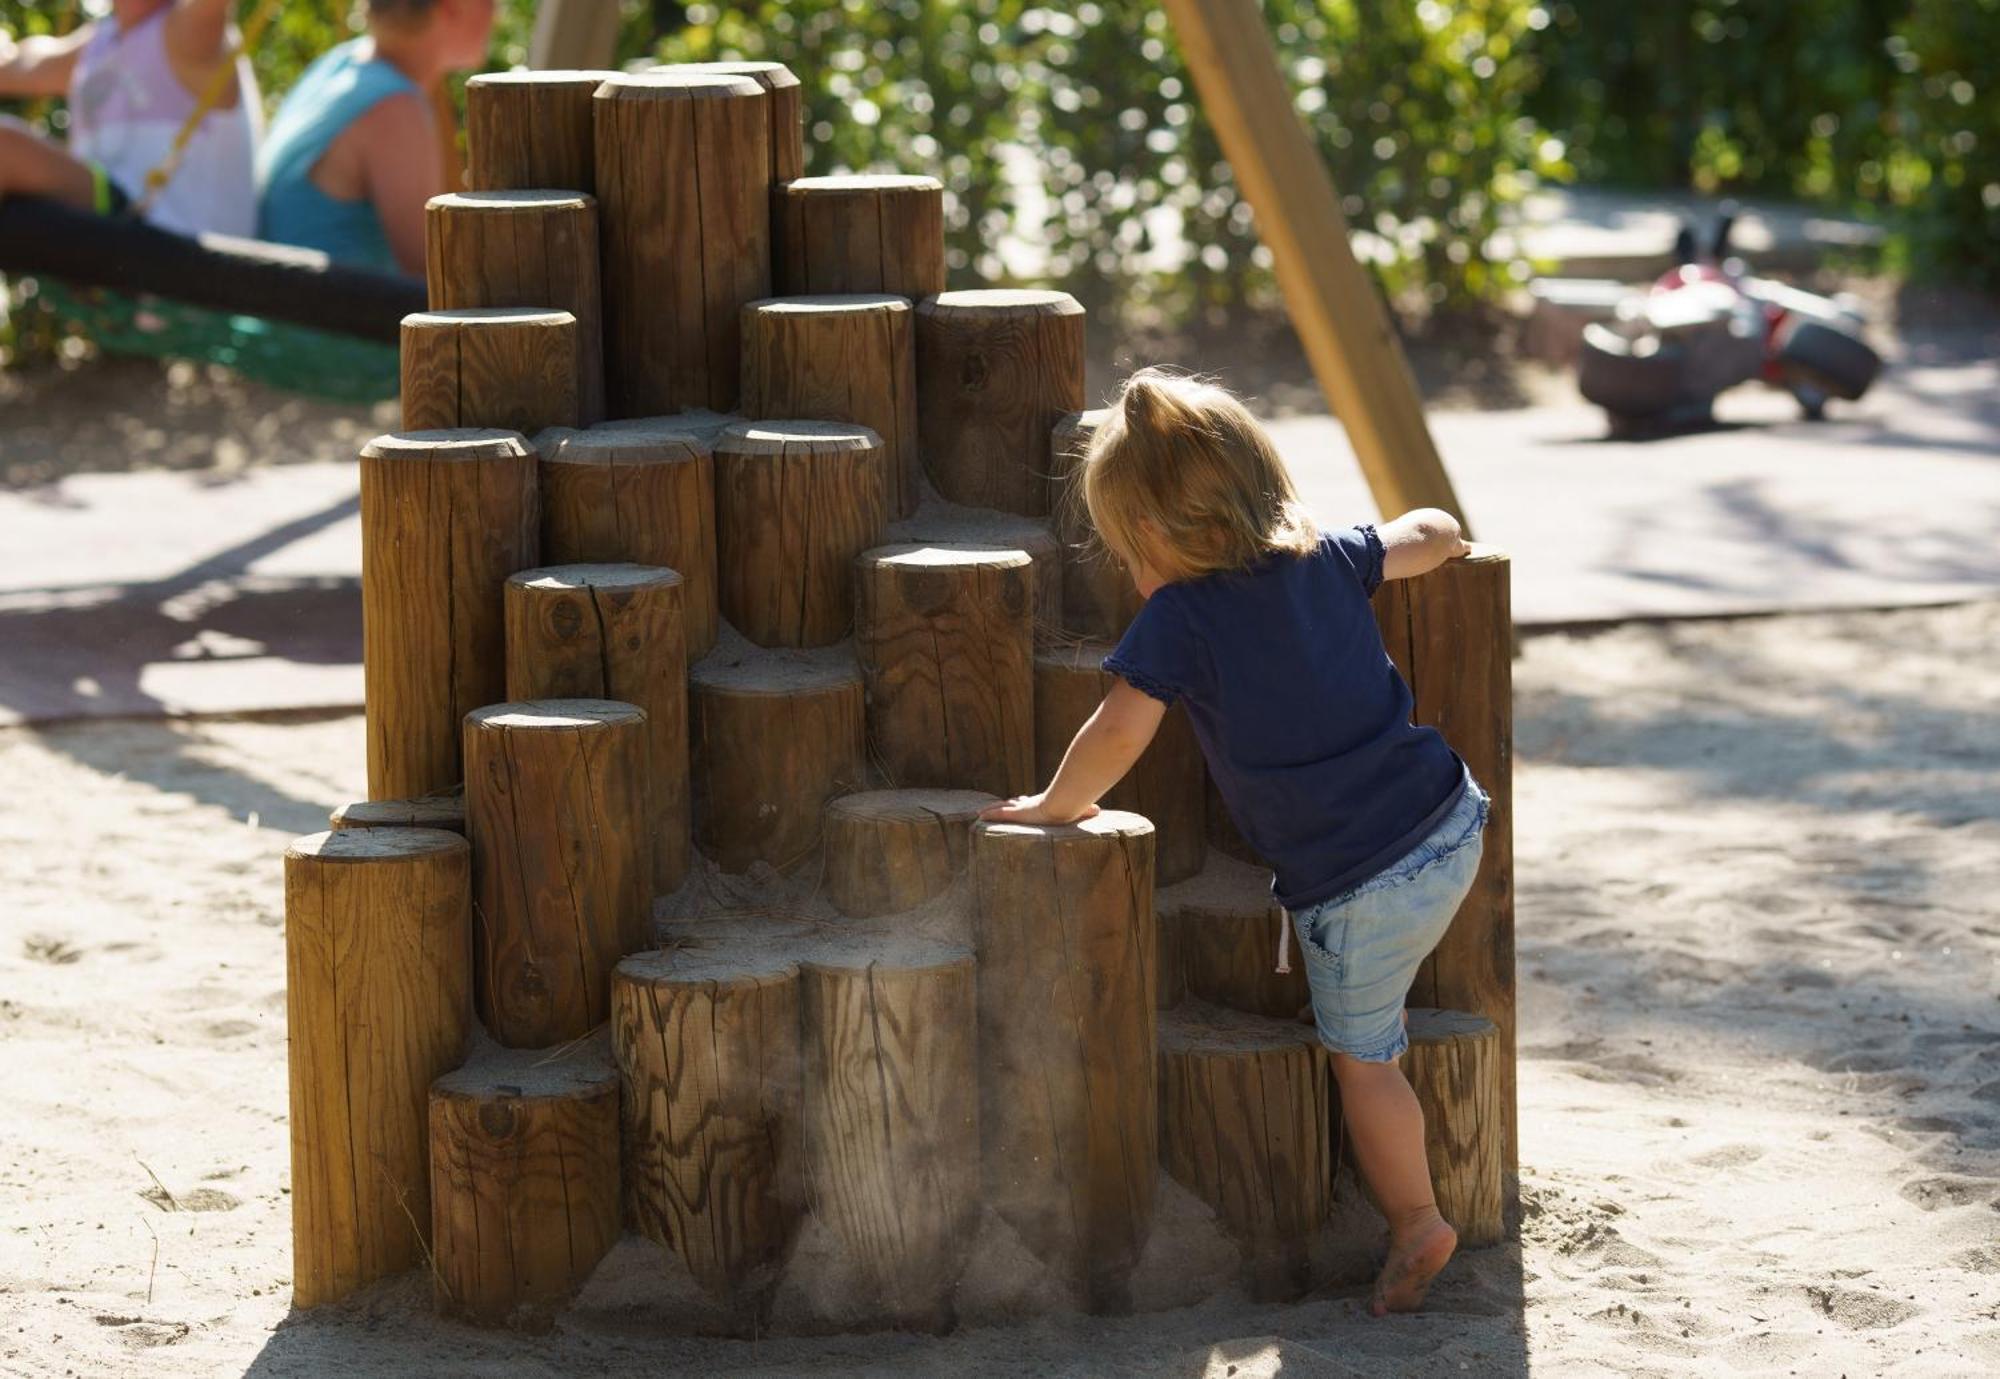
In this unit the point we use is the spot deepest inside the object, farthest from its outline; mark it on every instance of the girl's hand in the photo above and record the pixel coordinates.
(1032, 809)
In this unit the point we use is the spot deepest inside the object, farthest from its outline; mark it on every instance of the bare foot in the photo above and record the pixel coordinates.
(1415, 1256)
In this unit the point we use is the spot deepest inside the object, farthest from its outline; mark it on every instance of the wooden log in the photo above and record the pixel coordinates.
(1169, 783)
(378, 970)
(847, 359)
(946, 640)
(788, 115)
(444, 809)
(1248, 1123)
(1454, 1064)
(532, 248)
(531, 129)
(510, 367)
(938, 523)
(776, 734)
(1067, 986)
(892, 1117)
(641, 494)
(996, 370)
(1451, 634)
(891, 850)
(524, 1180)
(859, 232)
(556, 808)
(795, 503)
(613, 632)
(1099, 598)
(446, 516)
(707, 1045)
(1224, 932)
(684, 176)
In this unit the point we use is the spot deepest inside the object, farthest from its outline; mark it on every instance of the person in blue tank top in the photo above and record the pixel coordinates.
(354, 151)
(1260, 624)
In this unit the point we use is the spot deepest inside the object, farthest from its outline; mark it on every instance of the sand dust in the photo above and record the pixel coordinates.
(1760, 1081)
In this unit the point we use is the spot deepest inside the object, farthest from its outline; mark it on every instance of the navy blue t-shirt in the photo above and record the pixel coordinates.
(1303, 718)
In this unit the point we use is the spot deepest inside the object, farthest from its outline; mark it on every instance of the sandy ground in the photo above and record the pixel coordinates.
(1759, 955)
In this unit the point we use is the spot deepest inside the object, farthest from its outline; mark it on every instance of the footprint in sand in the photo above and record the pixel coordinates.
(197, 1199)
(1729, 1156)
(1861, 1311)
(1980, 1259)
(1950, 1190)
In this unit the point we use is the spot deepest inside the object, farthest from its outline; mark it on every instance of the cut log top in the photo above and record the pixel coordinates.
(644, 440)
(1085, 655)
(582, 715)
(1112, 823)
(777, 437)
(1224, 885)
(827, 303)
(1483, 553)
(730, 959)
(535, 200)
(557, 578)
(738, 667)
(378, 845)
(444, 810)
(926, 556)
(913, 805)
(955, 525)
(999, 301)
(552, 78)
(496, 315)
(847, 183)
(1198, 1027)
(580, 1068)
(460, 443)
(771, 76)
(679, 84)
(1433, 1026)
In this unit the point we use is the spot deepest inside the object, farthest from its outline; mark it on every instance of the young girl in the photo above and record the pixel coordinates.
(1261, 625)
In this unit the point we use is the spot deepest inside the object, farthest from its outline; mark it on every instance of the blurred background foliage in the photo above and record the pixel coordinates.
(1074, 151)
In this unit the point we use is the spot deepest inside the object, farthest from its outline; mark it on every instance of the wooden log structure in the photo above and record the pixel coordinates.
(996, 370)
(684, 179)
(378, 970)
(841, 359)
(640, 493)
(795, 503)
(1453, 1062)
(1169, 783)
(891, 850)
(446, 516)
(508, 367)
(707, 1047)
(1249, 1124)
(1224, 932)
(938, 523)
(531, 129)
(445, 809)
(557, 813)
(1099, 599)
(613, 632)
(775, 735)
(1067, 984)
(891, 1114)
(1451, 633)
(859, 232)
(524, 1180)
(788, 116)
(526, 248)
(946, 640)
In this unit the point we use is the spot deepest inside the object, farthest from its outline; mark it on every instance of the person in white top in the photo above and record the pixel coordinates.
(132, 81)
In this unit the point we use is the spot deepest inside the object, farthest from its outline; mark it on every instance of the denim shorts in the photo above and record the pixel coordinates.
(1363, 946)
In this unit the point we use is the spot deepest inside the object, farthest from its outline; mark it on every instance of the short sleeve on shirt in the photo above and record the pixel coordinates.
(1360, 548)
(1157, 654)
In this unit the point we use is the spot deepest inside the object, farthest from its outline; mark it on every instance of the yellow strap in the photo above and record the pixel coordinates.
(163, 172)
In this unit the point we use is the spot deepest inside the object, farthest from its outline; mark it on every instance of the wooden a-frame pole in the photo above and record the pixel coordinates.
(1340, 321)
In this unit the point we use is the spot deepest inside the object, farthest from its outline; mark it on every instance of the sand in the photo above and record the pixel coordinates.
(1760, 1073)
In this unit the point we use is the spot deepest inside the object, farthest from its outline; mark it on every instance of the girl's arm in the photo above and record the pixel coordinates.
(1103, 751)
(40, 65)
(1418, 542)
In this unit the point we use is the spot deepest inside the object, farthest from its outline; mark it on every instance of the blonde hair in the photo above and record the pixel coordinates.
(1181, 478)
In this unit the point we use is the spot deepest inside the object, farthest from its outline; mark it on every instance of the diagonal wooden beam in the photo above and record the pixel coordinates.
(1333, 305)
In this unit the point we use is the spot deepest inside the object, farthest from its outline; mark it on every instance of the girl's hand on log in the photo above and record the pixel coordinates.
(1033, 809)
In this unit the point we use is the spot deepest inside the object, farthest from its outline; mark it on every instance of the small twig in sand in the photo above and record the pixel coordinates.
(153, 1268)
(173, 1203)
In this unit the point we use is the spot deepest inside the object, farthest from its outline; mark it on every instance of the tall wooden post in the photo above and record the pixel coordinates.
(860, 232)
(531, 129)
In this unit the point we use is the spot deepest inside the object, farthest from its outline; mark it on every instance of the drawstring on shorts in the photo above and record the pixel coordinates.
(1284, 938)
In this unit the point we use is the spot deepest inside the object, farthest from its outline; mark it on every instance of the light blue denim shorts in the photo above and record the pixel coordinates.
(1363, 946)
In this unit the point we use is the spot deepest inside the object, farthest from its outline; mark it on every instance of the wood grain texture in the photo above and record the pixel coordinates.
(556, 809)
(446, 516)
(859, 232)
(707, 1045)
(795, 503)
(508, 367)
(1067, 984)
(638, 493)
(1451, 634)
(946, 640)
(846, 359)
(891, 850)
(444, 809)
(378, 1002)
(531, 129)
(1099, 599)
(938, 523)
(524, 1180)
(1249, 1124)
(775, 736)
(788, 116)
(684, 178)
(527, 248)
(1454, 1064)
(614, 632)
(996, 370)
(1225, 927)
(892, 1119)
(1168, 784)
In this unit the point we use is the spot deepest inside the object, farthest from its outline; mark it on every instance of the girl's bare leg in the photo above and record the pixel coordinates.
(1387, 1126)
